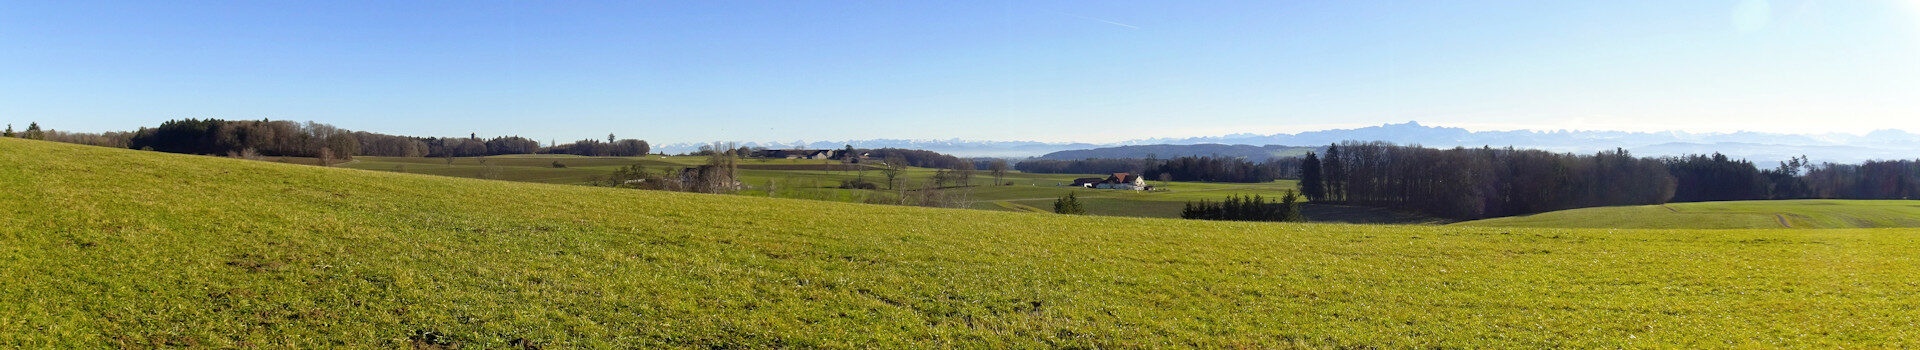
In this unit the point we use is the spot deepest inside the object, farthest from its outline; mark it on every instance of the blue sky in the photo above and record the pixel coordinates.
(1052, 71)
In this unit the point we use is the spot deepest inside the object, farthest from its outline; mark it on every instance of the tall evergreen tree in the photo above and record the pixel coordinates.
(1311, 182)
(9, 130)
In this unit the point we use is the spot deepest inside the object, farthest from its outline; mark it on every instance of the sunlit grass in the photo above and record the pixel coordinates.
(1813, 213)
(118, 248)
(1015, 189)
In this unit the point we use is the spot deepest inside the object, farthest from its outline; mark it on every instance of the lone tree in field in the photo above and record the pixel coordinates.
(895, 167)
(9, 130)
(963, 175)
(1312, 183)
(999, 169)
(1068, 205)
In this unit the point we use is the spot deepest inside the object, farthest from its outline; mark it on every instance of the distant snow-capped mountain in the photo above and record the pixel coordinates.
(963, 148)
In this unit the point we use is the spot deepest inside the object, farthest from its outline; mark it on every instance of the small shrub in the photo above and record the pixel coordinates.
(858, 184)
(558, 164)
(1068, 205)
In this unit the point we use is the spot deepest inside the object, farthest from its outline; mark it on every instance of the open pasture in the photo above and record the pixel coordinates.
(105, 247)
(820, 179)
(1800, 214)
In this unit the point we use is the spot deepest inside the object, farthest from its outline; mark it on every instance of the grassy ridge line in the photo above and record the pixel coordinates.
(106, 247)
(1798, 214)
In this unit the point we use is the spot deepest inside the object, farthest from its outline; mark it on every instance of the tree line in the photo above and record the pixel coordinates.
(295, 139)
(1472, 183)
(1467, 183)
(1086, 166)
(920, 158)
(34, 132)
(1246, 208)
(1201, 168)
(1222, 169)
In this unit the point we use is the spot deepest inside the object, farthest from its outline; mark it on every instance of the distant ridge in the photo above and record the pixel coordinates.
(1760, 147)
(1249, 152)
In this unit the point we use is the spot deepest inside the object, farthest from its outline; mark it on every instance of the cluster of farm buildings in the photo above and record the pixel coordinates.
(1118, 181)
(799, 154)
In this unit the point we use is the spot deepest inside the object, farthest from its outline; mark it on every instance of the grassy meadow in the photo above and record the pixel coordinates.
(1804, 214)
(811, 179)
(105, 247)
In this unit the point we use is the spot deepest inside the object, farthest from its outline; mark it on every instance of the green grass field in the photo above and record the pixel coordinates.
(1016, 191)
(108, 247)
(1812, 213)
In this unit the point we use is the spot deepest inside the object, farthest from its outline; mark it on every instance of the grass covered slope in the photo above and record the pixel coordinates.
(107, 247)
(1811, 213)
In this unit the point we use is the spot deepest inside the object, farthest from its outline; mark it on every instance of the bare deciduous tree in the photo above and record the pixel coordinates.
(999, 169)
(895, 166)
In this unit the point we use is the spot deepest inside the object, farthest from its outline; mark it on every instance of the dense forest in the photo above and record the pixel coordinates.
(1468, 183)
(1086, 166)
(1471, 183)
(1221, 169)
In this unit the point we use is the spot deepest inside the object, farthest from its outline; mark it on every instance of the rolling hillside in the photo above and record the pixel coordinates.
(1802, 214)
(118, 248)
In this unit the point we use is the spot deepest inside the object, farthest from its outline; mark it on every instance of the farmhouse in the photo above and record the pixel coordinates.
(1087, 182)
(797, 154)
(1118, 181)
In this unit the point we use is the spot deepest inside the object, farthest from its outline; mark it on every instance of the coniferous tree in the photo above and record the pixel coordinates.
(1290, 207)
(34, 133)
(1068, 205)
(1312, 184)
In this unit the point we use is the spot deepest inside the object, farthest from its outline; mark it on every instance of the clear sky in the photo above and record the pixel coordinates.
(687, 71)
